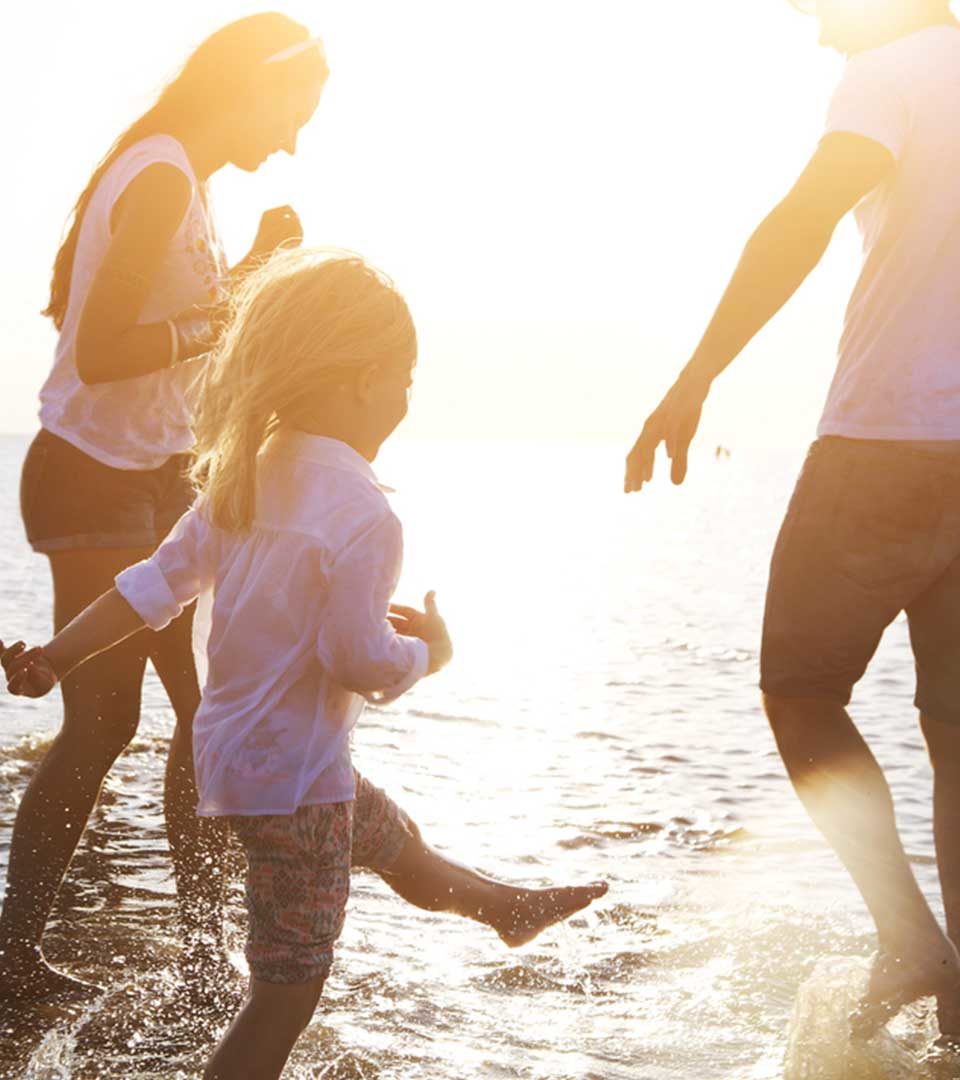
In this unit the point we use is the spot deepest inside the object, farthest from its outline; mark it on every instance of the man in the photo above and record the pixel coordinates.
(874, 524)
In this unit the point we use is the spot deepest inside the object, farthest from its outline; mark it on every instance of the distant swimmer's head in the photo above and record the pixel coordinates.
(321, 342)
(258, 79)
(852, 26)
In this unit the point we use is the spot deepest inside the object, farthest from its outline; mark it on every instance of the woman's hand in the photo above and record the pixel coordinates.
(279, 227)
(426, 625)
(29, 672)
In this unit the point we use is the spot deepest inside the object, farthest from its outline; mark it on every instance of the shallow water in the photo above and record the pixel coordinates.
(600, 721)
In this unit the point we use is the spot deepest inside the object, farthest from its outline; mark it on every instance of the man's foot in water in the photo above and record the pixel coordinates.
(926, 969)
(521, 914)
(27, 977)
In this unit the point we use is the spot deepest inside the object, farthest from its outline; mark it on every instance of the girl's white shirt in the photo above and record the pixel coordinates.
(136, 423)
(299, 637)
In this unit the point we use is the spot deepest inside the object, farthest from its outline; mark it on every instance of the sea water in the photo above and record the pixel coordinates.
(600, 720)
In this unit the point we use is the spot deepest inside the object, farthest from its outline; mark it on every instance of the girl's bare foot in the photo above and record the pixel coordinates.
(525, 913)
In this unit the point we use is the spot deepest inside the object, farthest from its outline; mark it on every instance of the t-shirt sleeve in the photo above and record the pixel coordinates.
(181, 568)
(868, 103)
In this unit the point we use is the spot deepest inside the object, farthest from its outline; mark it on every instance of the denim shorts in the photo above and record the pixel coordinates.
(298, 877)
(873, 529)
(72, 502)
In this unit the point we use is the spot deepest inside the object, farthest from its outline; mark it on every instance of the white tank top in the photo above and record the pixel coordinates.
(136, 423)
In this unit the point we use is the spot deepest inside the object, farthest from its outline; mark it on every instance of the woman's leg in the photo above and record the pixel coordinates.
(258, 1042)
(197, 845)
(387, 841)
(101, 703)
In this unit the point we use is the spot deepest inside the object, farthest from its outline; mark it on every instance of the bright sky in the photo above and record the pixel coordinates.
(560, 187)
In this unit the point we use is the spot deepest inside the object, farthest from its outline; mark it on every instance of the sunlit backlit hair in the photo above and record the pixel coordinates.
(216, 74)
(301, 323)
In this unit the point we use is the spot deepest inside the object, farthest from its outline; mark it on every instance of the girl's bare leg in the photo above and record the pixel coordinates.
(430, 880)
(258, 1042)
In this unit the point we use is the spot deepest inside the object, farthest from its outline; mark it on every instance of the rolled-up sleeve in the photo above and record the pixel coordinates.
(356, 643)
(181, 568)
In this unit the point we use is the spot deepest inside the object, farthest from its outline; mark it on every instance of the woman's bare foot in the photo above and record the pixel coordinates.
(925, 970)
(29, 978)
(522, 914)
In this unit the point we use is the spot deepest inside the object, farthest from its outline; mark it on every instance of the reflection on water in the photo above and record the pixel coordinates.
(600, 721)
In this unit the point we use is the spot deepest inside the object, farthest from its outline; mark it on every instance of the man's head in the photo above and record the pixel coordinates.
(851, 26)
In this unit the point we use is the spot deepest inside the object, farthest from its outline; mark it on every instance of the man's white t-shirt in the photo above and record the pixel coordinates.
(898, 375)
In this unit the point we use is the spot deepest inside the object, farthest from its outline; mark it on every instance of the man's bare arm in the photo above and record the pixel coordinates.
(779, 255)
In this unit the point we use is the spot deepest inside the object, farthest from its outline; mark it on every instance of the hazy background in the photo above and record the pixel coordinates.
(560, 188)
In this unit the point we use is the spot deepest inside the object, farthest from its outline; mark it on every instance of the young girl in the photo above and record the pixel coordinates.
(302, 552)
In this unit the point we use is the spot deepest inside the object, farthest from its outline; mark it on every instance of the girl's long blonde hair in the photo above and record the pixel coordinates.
(300, 322)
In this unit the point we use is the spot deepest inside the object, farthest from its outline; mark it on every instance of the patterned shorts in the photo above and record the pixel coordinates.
(298, 877)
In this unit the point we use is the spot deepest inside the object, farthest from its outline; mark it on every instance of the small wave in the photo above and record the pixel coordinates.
(451, 718)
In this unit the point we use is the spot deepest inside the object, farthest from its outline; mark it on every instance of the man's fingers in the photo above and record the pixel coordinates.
(640, 460)
(678, 465)
(639, 468)
(430, 603)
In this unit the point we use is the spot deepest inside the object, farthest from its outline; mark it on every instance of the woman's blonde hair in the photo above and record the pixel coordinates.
(300, 322)
(218, 71)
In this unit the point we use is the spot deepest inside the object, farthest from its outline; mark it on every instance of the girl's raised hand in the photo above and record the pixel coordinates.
(29, 672)
(428, 626)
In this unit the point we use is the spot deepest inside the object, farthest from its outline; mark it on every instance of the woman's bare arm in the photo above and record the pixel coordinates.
(110, 343)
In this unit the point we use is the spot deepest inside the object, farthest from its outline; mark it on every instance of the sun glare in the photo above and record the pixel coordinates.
(560, 190)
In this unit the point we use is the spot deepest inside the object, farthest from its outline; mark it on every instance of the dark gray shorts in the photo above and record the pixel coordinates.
(873, 529)
(72, 502)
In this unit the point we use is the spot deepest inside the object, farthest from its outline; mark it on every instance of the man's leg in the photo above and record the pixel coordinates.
(871, 529)
(845, 793)
(387, 841)
(943, 743)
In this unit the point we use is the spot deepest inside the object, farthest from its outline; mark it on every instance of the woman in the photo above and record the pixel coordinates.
(135, 287)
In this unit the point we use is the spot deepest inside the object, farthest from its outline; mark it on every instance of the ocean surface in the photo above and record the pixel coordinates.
(600, 720)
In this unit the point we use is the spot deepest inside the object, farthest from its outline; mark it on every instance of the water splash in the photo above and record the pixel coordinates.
(819, 1046)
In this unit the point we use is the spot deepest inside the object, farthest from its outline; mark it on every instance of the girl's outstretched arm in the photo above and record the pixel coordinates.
(35, 672)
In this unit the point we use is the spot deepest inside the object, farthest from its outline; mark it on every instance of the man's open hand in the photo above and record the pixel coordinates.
(674, 422)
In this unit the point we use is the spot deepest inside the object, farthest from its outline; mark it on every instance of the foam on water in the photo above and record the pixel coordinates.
(819, 1045)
